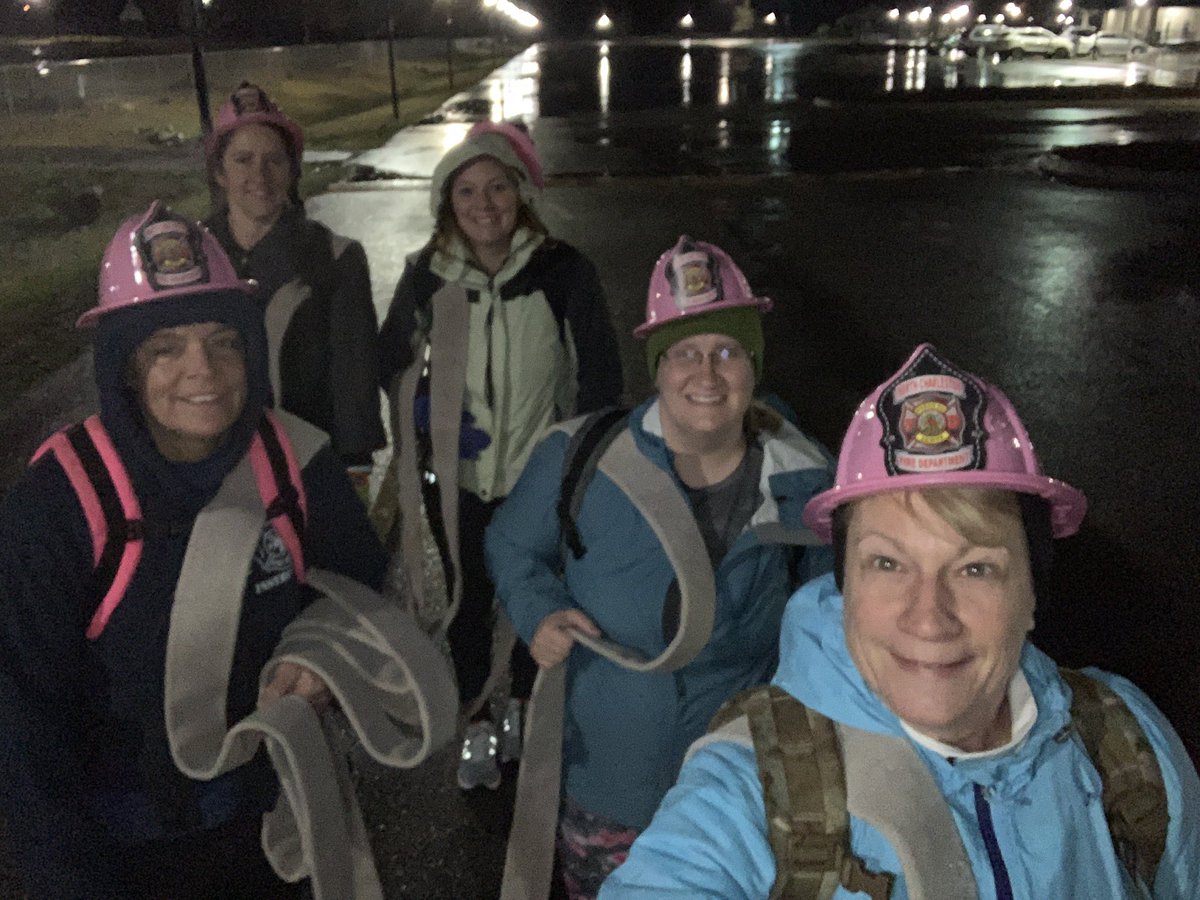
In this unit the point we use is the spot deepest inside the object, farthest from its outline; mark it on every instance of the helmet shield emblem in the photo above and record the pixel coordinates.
(171, 253)
(694, 278)
(932, 418)
(250, 98)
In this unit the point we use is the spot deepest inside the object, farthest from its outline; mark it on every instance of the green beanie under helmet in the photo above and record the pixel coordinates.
(742, 323)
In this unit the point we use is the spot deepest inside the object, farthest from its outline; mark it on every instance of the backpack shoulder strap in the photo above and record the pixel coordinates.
(1135, 800)
(584, 449)
(110, 506)
(281, 448)
(804, 792)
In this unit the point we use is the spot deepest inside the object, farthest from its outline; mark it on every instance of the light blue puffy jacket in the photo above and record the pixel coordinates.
(709, 837)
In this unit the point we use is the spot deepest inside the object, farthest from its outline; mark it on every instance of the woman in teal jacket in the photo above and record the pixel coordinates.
(941, 521)
(744, 473)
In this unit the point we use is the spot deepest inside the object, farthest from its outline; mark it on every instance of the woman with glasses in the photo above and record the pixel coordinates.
(616, 573)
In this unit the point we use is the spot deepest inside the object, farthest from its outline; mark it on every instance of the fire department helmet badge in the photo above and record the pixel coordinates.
(932, 417)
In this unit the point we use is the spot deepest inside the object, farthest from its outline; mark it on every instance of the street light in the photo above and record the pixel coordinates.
(604, 23)
(687, 21)
(769, 20)
(1065, 5)
(893, 14)
(1013, 11)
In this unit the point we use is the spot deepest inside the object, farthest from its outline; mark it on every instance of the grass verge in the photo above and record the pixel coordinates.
(51, 244)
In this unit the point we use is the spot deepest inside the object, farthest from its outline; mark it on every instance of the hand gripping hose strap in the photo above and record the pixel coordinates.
(390, 680)
(447, 383)
(529, 859)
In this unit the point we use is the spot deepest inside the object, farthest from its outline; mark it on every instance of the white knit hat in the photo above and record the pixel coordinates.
(473, 148)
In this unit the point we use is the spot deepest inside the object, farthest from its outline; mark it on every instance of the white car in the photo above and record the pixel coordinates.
(1109, 43)
(1017, 43)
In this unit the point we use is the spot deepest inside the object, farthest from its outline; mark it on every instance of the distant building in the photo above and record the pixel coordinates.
(1155, 24)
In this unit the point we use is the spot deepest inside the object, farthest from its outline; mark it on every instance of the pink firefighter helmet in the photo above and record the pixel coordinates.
(694, 278)
(249, 105)
(160, 254)
(934, 425)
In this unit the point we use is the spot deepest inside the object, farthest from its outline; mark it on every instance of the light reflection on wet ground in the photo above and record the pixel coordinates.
(743, 107)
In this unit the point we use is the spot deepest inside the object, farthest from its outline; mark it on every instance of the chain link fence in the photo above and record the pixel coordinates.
(51, 87)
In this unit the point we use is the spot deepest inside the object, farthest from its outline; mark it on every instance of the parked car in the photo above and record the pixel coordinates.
(1109, 43)
(983, 37)
(1016, 43)
(1083, 39)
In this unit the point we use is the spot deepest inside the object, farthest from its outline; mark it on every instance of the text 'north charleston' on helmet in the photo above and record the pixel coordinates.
(933, 424)
(694, 278)
(157, 255)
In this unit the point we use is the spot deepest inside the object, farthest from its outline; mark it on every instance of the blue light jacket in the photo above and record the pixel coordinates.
(625, 733)
(709, 838)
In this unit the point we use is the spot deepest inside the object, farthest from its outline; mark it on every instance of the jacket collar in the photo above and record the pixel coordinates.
(456, 265)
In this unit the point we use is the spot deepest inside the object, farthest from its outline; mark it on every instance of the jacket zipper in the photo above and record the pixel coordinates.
(983, 813)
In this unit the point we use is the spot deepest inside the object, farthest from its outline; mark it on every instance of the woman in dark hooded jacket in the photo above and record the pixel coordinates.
(101, 548)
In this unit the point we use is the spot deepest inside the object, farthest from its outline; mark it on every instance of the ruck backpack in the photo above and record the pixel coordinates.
(114, 516)
(803, 762)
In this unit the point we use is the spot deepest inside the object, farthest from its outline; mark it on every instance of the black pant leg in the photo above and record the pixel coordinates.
(470, 634)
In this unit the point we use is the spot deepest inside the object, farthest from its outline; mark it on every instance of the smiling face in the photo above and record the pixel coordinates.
(705, 384)
(485, 201)
(935, 622)
(191, 385)
(256, 173)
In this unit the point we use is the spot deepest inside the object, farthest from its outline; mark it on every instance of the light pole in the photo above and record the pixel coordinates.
(391, 42)
(198, 73)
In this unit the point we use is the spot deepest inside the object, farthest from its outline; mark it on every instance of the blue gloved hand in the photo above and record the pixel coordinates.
(471, 440)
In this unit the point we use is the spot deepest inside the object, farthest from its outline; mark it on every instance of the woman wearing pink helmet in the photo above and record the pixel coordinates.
(150, 561)
(313, 284)
(914, 743)
(681, 550)
(496, 331)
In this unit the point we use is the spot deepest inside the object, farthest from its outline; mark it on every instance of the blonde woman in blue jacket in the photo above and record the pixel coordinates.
(917, 651)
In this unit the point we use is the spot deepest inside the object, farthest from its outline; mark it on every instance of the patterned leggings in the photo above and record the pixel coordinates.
(590, 847)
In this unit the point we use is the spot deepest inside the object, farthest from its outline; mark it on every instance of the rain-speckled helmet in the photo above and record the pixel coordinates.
(694, 278)
(250, 105)
(933, 424)
(157, 255)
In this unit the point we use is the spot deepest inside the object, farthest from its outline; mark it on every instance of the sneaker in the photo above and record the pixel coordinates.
(511, 727)
(477, 766)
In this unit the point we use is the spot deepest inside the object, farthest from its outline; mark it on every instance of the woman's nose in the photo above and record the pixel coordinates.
(929, 612)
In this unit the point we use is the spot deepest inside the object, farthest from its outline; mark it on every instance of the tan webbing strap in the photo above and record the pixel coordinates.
(1134, 798)
(278, 316)
(408, 479)
(890, 787)
(448, 340)
(388, 677)
(529, 860)
(204, 620)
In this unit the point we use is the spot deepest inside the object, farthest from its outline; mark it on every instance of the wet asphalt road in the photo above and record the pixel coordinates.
(874, 223)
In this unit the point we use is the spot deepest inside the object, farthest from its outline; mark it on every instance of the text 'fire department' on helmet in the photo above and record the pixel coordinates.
(935, 425)
(157, 255)
(250, 105)
(694, 278)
